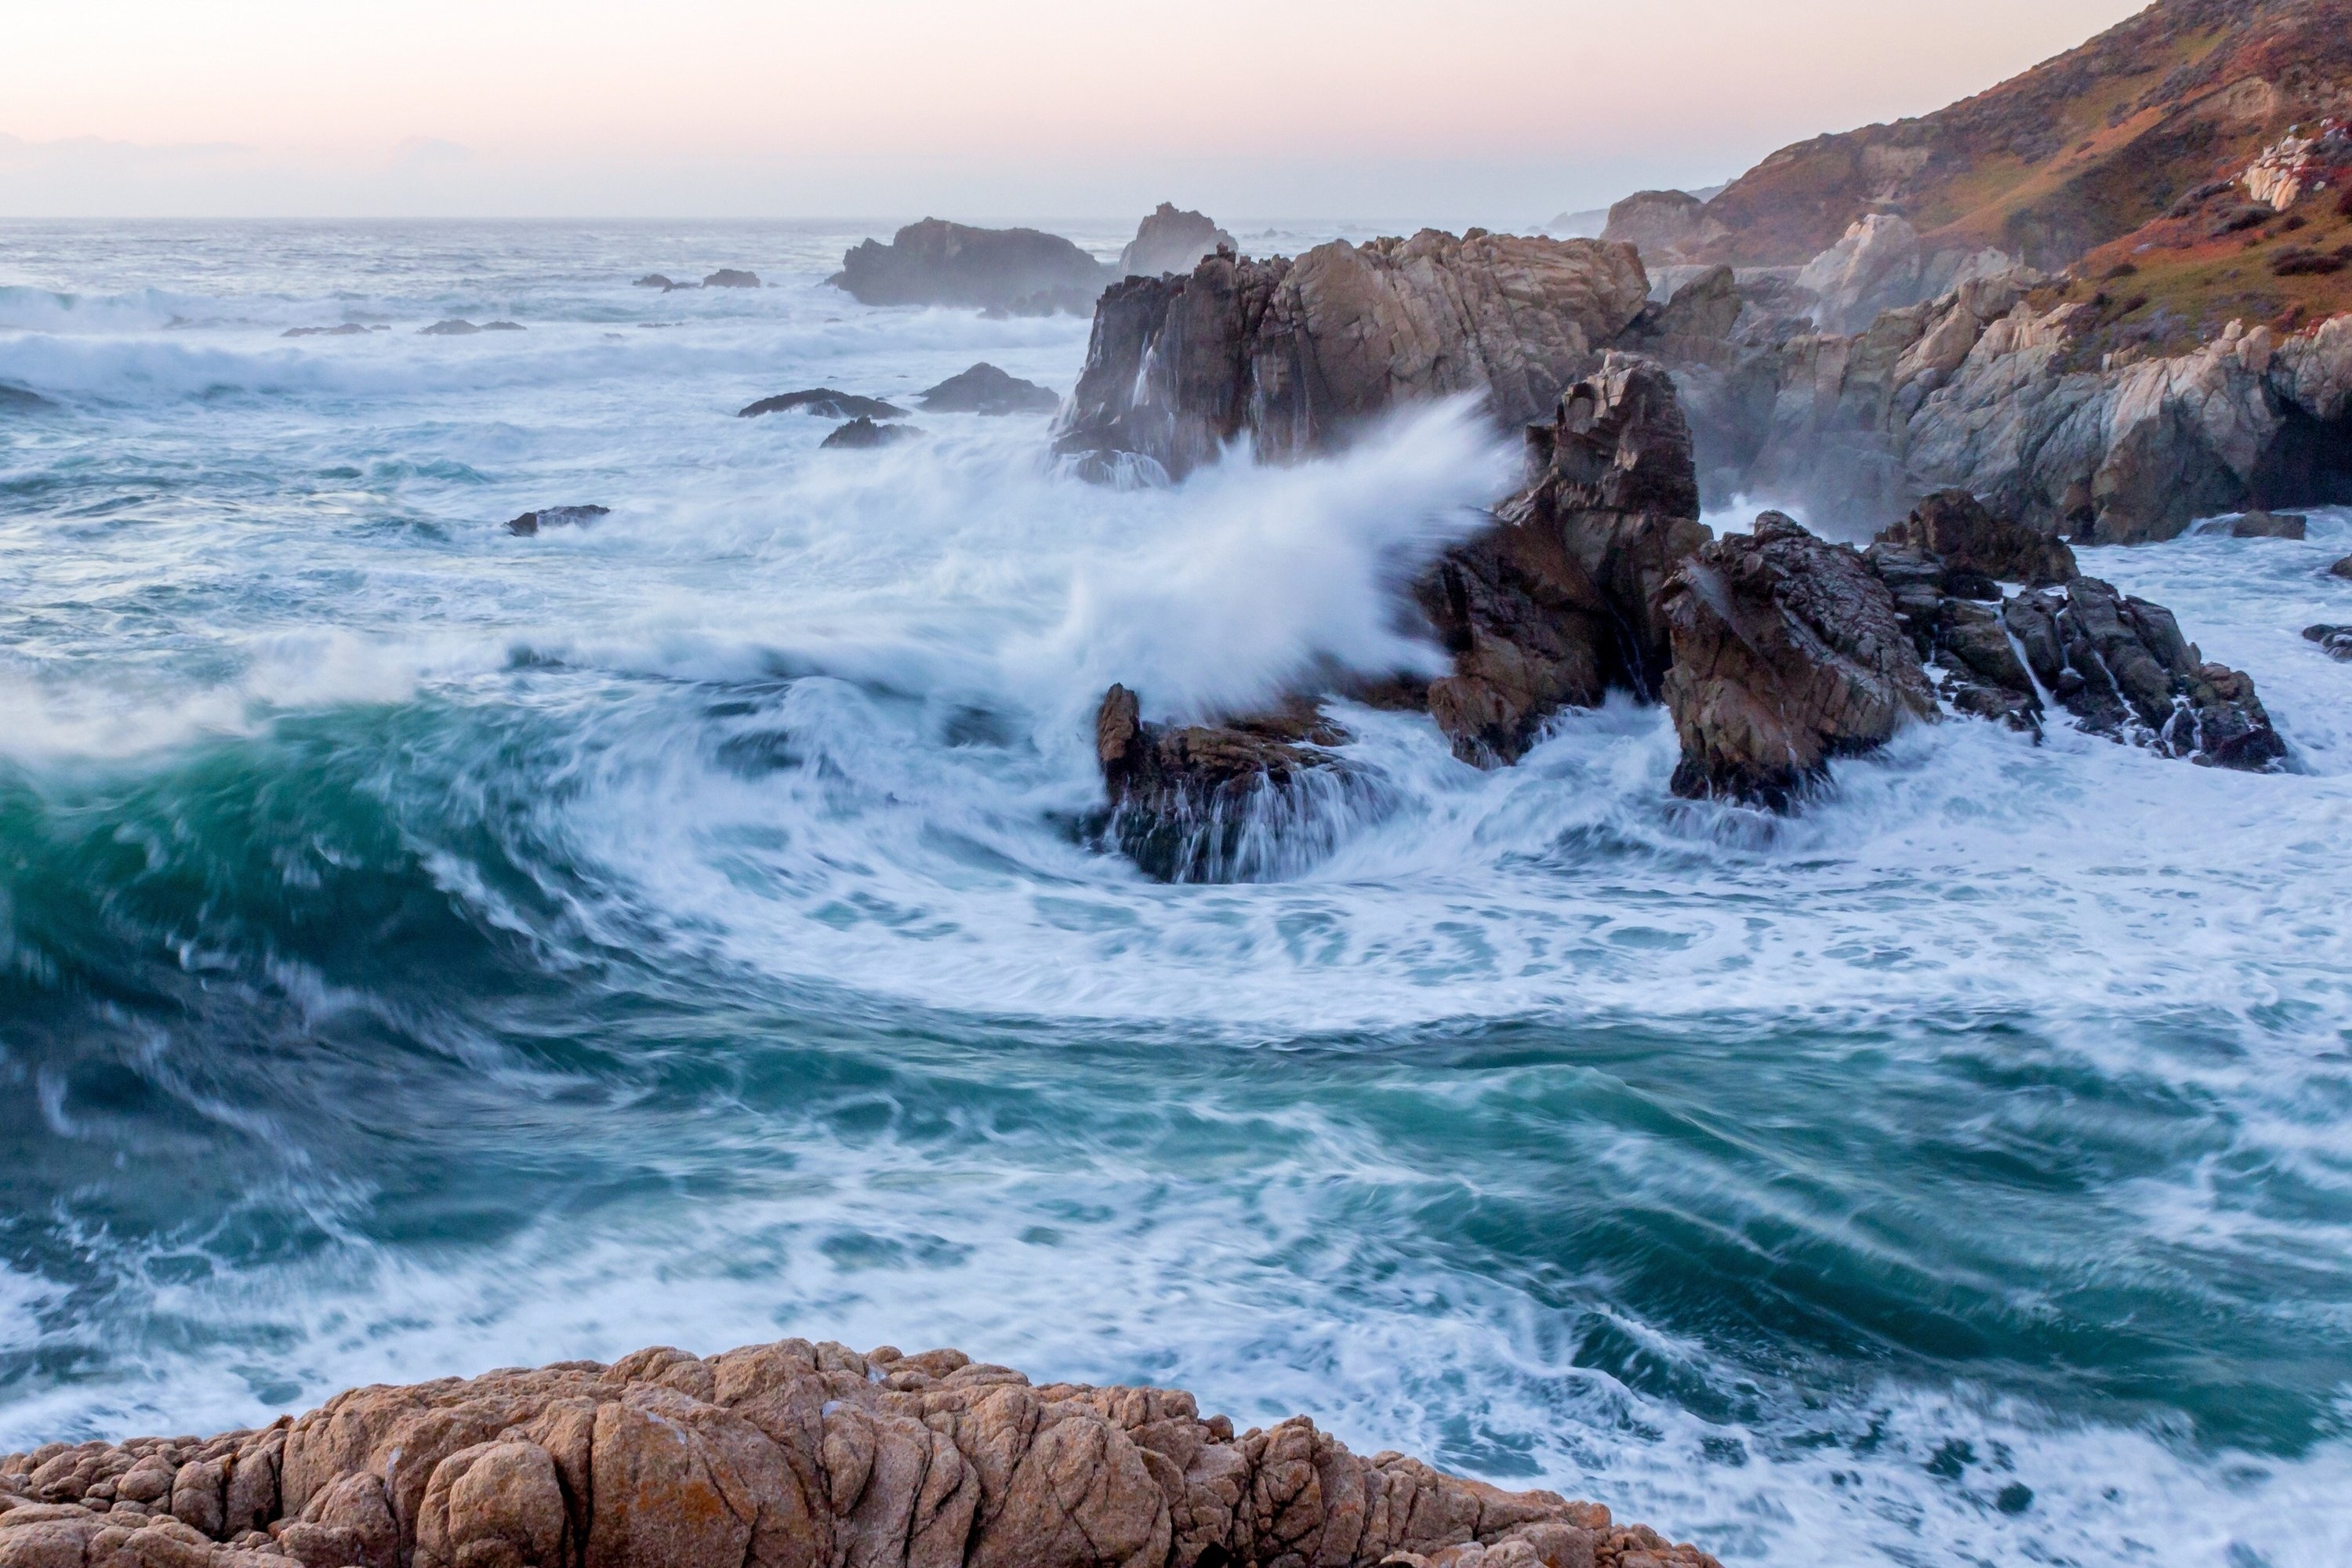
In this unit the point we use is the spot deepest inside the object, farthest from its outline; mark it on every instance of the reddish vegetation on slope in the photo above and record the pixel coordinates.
(2073, 155)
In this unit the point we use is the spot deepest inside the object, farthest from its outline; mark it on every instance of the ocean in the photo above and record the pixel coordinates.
(429, 948)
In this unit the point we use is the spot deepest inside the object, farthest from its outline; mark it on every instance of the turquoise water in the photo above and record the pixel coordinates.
(430, 949)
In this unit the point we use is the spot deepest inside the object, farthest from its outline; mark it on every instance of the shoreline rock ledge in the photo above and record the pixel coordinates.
(789, 1455)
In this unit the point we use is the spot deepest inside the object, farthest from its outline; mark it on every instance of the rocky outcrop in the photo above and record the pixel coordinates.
(863, 433)
(2121, 667)
(789, 1455)
(825, 402)
(1882, 264)
(1988, 390)
(1015, 271)
(1967, 536)
(347, 330)
(732, 278)
(531, 522)
(21, 399)
(984, 389)
(1787, 653)
(1666, 226)
(451, 327)
(1952, 613)
(1300, 355)
(1230, 801)
(1172, 241)
(1552, 605)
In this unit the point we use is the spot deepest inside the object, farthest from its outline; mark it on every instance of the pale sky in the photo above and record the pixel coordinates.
(1495, 111)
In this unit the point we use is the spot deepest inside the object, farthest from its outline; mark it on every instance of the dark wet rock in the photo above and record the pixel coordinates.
(531, 522)
(453, 327)
(1301, 355)
(2120, 666)
(2342, 568)
(1965, 535)
(1952, 616)
(732, 278)
(1553, 605)
(862, 432)
(656, 281)
(791, 1455)
(1217, 802)
(503, 327)
(2336, 641)
(1170, 241)
(826, 403)
(2269, 525)
(348, 330)
(1787, 652)
(984, 389)
(1019, 271)
(20, 399)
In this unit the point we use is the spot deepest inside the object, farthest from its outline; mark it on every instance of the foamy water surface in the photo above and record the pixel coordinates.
(430, 949)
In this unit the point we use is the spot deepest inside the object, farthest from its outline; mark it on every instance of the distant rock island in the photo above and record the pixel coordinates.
(1170, 241)
(1013, 271)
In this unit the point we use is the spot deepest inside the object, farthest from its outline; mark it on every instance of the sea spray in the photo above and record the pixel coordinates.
(427, 949)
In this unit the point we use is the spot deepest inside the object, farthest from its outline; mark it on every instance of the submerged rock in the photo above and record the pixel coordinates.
(863, 432)
(1787, 652)
(2269, 525)
(1020, 271)
(732, 278)
(826, 403)
(503, 327)
(21, 399)
(1552, 605)
(2336, 641)
(2121, 667)
(1216, 802)
(347, 330)
(789, 1455)
(453, 327)
(656, 281)
(1301, 355)
(531, 522)
(984, 389)
(1170, 241)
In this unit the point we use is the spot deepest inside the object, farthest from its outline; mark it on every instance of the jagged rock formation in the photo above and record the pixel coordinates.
(825, 402)
(1300, 355)
(1016, 271)
(1995, 389)
(1229, 801)
(2121, 667)
(1552, 606)
(984, 389)
(1172, 241)
(732, 278)
(1787, 652)
(1966, 535)
(1882, 264)
(1952, 614)
(784, 1456)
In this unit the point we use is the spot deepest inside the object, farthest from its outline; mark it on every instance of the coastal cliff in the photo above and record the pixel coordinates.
(789, 1455)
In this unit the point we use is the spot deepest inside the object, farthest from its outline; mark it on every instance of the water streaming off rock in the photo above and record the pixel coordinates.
(431, 949)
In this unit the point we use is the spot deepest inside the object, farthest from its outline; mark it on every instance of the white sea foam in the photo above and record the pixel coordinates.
(821, 722)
